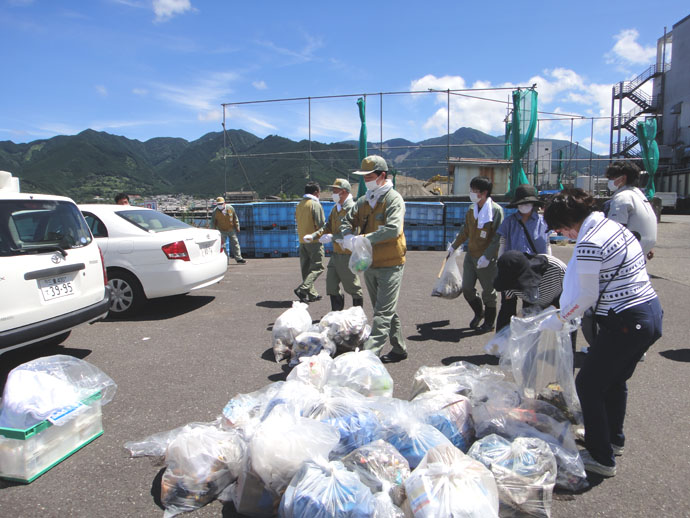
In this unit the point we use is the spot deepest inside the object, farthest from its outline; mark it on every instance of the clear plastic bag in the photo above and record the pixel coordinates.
(311, 343)
(384, 507)
(346, 411)
(37, 388)
(326, 490)
(449, 413)
(449, 484)
(287, 327)
(541, 420)
(413, 439)
(245, 410)
(542, 363)
(363, 372)
(362, 255)
(202, 460)
(449, 283)
(284, 441)
(525, 473)
(459, 377)
(381, 468)
(312, 370)
(498, 343)
(293, 396)
(348, 328)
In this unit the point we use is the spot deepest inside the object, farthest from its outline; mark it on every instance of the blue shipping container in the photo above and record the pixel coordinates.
(276, 243)
(269, 215)
(455, 212)
(425, 237)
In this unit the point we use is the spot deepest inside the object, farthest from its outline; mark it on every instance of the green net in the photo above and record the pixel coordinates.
(524, 124)
(361, 105)
(559, 171)
(646, 134)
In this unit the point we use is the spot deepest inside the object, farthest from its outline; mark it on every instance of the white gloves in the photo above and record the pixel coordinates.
(554, 323)
(308, 238)
(482, 262)
(325, 239)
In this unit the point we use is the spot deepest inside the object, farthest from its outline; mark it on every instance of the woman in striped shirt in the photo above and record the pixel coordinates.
(536, 279)
(607, 272)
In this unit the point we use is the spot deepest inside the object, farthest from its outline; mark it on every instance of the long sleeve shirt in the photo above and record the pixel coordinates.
(481, 241)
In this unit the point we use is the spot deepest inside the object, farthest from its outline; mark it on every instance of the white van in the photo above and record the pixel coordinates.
(51, 270)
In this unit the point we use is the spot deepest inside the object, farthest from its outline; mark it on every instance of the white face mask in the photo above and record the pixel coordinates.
(474, 197)
(372, 185)
(221, 206)
(612, 185)
(525, 208)
(336, 198)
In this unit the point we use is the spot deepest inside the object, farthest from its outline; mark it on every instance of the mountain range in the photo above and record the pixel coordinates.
(94, 163)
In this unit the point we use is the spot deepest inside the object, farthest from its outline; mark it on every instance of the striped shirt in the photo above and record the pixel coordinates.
(550, 285)
(602, 246)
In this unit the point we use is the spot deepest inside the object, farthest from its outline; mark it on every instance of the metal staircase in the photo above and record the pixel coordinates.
(644, 105)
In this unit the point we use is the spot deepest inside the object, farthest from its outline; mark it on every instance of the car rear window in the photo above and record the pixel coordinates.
(34, 226)
(151, 220)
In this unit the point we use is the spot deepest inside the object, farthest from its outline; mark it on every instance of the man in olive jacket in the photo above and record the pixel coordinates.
(338, 271)
(310, 218)
(224, 218)
(380, 214)
(480, 231)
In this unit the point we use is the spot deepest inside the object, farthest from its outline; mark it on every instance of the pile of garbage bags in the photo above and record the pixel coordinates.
(332, 441)
(39, 388)
(295, 337)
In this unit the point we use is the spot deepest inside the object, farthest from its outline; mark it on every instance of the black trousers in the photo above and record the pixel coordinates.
(601, 384)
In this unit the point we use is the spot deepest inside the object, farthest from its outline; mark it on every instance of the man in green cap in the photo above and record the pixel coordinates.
(380, 214)
(310, 218)
(338, 271)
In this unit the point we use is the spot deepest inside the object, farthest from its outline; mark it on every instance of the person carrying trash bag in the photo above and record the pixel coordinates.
(607, 271)
(225, 220)
(524, 231)
(380, 214)
(480, 230)
(338, 272)
(310, 218)
(535, 279)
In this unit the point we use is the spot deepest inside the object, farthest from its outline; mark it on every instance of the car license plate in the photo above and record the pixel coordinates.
(206, 248)
(56, 287)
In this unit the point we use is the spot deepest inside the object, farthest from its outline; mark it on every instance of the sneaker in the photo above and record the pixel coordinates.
(241, 261)
(617, 450)
(301, 295)
(393, 357)
(593, 466)
(314, 299)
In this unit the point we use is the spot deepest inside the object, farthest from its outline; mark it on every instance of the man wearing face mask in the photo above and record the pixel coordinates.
(480, 230)
(338, 271)
(526, 232)
(310, 218)
(224, 218)
(629, 207)
(380, 214)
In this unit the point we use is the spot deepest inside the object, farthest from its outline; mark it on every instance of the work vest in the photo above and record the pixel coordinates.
(225, 222)
(390, 252)
(304, 213)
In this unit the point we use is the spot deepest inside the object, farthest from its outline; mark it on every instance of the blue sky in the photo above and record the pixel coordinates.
(162, 68)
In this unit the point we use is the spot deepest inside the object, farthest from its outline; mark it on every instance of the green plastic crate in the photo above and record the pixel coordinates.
(27, 454)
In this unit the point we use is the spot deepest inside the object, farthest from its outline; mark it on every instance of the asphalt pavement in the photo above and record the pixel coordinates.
(182, 358)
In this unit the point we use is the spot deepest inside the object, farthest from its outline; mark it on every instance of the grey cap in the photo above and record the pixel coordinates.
(341, 183)
(370, 164)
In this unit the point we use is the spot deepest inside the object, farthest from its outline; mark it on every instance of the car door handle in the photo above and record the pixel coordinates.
(52, 272)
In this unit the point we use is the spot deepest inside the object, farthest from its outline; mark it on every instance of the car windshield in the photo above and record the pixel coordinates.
(151, 220)
(34, 226)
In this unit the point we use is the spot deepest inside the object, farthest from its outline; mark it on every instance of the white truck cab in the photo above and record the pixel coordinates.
(51, 270)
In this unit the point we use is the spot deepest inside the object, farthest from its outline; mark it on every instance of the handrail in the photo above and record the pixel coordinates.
(635, 83)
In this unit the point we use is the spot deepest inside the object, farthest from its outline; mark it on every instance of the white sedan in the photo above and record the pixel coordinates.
(149, 254)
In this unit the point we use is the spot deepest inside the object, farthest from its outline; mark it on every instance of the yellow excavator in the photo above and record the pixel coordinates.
(436, 178)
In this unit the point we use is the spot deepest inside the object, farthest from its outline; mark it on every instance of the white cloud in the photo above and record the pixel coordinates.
(628, 51)
(259, 85)
(140, 91)
(102, 90)
(204, 96)
(166, 9)
(239, 117)
(211, 115)
(302, 55)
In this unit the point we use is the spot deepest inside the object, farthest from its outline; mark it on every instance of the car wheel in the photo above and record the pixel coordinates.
(126, 292)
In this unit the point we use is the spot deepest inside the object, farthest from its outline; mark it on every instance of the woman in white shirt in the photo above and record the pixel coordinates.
(607, 272)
